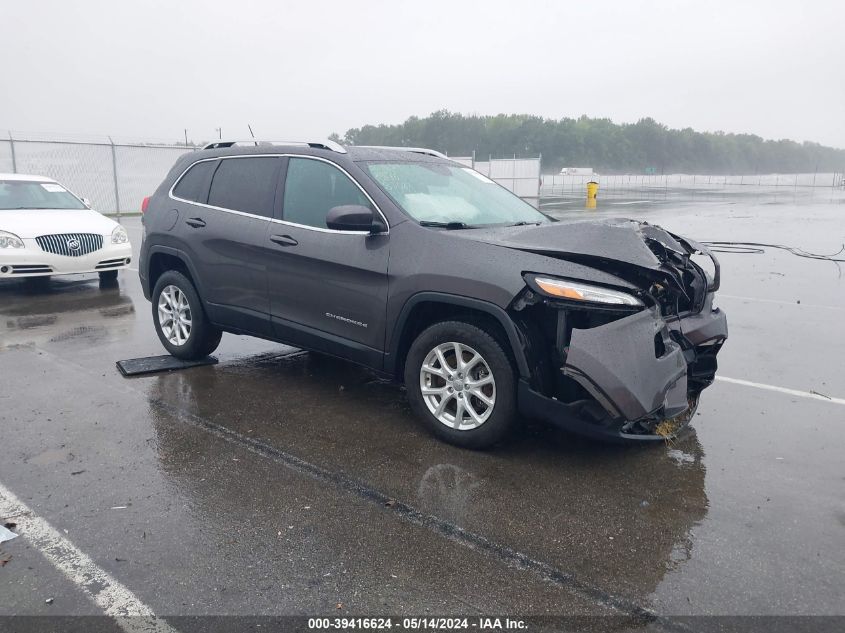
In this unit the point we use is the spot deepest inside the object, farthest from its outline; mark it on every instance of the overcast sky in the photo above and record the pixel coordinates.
(304, 69)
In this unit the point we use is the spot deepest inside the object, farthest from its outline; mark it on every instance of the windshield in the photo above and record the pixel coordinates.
(450, 194)
(17, 194)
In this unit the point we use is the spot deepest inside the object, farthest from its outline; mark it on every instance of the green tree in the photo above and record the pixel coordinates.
(600, 143)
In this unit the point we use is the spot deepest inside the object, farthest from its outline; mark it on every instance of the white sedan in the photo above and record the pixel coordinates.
(46, 230)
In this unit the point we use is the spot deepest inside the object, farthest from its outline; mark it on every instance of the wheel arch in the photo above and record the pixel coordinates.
(426, 308)
(164, 258)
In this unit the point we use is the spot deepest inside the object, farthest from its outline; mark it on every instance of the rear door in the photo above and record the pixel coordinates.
(328, 289)
(227, 236)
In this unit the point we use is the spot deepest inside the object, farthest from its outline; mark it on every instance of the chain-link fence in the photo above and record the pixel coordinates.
(115, 177)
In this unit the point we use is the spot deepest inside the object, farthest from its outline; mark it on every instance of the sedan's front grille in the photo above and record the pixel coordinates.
(70, 244)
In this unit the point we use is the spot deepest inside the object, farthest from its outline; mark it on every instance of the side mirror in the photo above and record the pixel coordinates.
(86, 202)
(351, 217)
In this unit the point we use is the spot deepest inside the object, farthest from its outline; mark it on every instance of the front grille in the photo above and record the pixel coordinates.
(83, 243)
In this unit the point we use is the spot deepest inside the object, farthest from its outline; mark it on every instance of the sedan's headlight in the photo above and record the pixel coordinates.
(119, 236)
(578, 291)
(10, 240)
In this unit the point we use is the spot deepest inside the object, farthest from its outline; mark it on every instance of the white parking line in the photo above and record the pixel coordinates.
(792, 392)
(132, 615)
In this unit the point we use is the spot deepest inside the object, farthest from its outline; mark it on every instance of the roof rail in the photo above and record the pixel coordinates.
(324, 144)
(415, 150)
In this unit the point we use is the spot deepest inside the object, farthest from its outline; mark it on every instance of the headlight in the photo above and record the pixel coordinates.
(577, 291)
(119, 236)
(10, 240)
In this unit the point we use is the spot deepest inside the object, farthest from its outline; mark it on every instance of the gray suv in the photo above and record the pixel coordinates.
(426, 271)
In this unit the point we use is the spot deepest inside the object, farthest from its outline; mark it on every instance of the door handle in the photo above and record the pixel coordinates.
(283, 240)
(197, 223)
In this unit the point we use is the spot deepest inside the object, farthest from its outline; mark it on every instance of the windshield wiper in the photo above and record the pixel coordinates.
(445, 225)
(524, 223)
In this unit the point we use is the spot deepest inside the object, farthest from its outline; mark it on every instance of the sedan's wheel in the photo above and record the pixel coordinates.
(461, 382)
(174, 315)
(458, 386)
(179, 318)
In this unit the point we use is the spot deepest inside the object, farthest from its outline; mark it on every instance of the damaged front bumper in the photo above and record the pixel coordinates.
(643, 375)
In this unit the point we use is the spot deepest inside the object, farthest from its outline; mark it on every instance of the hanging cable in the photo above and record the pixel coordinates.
(757, 248)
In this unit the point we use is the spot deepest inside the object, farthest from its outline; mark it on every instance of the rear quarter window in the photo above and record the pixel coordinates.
(193, 186)
(245, 184)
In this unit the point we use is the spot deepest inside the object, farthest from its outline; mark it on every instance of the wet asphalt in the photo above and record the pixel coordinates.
(282, 482)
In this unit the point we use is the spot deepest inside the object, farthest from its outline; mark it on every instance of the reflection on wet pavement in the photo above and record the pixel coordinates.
(62, 309)
(627, 513)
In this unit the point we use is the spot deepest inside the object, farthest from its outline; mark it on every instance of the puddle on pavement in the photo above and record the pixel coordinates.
(63, 310)
(629, 513)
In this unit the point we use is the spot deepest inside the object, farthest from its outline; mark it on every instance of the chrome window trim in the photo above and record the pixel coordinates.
(322, 230)
(275, 220)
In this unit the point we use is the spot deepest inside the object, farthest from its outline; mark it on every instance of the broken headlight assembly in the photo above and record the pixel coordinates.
(581, 292)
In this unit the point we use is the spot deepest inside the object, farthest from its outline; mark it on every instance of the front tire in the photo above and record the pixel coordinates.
(462, 384)
(180, 320)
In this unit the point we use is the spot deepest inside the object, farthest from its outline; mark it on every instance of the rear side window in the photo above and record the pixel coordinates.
(193, 186)
(245, 184)
(313, 187)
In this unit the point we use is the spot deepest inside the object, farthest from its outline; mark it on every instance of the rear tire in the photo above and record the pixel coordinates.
(469, 402)
(180, 320)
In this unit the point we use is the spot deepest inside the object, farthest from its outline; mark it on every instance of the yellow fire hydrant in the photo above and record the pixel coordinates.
(592, 192)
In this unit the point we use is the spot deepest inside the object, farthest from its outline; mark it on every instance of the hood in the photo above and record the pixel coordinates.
(643, 254)
(30, 223)
(616, 240)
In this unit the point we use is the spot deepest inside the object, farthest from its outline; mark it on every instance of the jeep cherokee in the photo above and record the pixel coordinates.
(424, 270)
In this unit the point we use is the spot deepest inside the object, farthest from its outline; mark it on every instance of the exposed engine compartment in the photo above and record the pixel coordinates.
(651, 351)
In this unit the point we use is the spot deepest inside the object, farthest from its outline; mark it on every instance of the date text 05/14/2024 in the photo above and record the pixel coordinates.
(417, 624)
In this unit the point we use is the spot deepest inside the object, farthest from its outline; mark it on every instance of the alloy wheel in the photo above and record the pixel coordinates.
(174, 315)
(458, 386)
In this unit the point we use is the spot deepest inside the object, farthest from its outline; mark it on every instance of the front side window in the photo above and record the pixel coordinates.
(313, 187)
(193, 185)
(245, 184)
(448, 193)
(17, 194)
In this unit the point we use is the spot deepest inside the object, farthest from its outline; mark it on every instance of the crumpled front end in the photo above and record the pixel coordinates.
(626, 374)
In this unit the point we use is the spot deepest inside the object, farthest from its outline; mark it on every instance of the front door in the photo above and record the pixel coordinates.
(328, 289)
